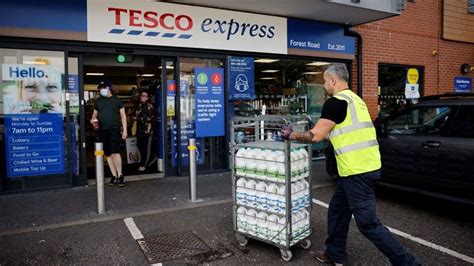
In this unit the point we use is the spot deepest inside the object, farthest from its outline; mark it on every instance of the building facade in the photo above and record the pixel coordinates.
(434, 36)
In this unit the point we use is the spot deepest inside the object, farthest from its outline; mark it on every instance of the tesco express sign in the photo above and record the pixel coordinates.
(156, 23)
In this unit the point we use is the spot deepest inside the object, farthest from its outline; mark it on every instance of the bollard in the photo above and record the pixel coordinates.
(192, 169)
(99, 173)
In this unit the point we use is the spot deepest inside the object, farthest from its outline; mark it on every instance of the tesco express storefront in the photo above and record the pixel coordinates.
(53, 54)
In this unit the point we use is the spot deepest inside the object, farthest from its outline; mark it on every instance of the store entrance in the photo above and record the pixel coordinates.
(137, 82)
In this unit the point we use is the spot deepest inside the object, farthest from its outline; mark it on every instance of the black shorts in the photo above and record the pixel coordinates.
(111, 140)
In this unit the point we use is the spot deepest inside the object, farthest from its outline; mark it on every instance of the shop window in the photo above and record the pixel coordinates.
(212, 150)
(399, 85)
(288, 87)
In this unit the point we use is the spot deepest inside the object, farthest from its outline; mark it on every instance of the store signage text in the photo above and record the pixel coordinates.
(158, 23)
(34, 144)
(232, 27)
(314, 37)
(16, 72)
(151, 19)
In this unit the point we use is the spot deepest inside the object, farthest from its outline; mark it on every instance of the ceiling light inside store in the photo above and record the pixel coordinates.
(270, 71)
(94, 74)
(34, 62)
(264, 60)
(268, 78)
(148, 75)
(312, 73)
(167, 67)
(318, 64)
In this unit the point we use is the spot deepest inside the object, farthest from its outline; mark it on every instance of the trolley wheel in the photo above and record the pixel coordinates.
(243, 241)
(286, 255)
(305, 244)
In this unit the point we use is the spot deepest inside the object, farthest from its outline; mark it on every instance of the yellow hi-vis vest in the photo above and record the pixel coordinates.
(354, 140)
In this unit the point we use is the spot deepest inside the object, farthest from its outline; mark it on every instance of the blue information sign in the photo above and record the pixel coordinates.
(318, 36)
(209, 95)
(35, 144)
(241, 78)
(73, 83)
(462, 84)
(187, 132)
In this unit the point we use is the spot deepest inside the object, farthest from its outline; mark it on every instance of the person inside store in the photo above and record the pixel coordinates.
(144, 116)
(345, 120)
(108, 116)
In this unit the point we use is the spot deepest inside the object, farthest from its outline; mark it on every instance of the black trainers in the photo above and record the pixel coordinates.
(113, 181)
(121, 181)
(323, 258)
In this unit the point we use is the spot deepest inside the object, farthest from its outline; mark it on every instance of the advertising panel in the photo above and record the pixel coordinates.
(241, 78)
(209, 83)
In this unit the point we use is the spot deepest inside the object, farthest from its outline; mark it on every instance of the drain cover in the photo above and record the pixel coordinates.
(172, 246)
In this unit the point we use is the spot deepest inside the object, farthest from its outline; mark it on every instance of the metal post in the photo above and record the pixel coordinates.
(99, 173)
(192, 169)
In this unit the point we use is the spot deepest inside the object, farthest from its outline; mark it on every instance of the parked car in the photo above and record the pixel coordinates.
(428, 148)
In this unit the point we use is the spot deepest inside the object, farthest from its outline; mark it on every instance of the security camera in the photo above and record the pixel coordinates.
(466, 68)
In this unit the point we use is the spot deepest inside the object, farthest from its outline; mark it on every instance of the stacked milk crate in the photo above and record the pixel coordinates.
(261, 191)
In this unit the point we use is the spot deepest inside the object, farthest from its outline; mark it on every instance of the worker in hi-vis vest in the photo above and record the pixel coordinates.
(345, 120)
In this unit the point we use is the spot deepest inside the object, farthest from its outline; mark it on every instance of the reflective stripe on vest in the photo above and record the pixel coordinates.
(356, 146)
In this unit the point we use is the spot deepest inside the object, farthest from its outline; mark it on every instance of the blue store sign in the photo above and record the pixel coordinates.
(187, 132)
(241, 78)
(35, 144)
(318, 37)
(462, 84)
(209, 96)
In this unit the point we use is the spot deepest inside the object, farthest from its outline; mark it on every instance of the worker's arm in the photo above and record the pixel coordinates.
(318, 133)
(123, 117)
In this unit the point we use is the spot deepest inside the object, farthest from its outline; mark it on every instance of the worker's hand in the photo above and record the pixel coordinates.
(124, 134)
(286, 131)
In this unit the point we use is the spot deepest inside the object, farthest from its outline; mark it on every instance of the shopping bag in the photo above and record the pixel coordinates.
(133, 154)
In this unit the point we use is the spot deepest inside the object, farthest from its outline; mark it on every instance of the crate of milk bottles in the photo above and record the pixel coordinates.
(271, 184)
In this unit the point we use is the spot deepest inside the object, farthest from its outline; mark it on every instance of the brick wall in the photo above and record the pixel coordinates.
(410, 39)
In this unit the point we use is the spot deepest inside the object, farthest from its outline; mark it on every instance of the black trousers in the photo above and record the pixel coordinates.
(144, 143)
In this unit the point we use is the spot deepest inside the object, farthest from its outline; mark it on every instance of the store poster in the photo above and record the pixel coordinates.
(35, 144)
(33, 108)
(73, 89)
(32, 89)
(412, 87)
(170, 98)
(209, 94)
(187, 132)
(241, 78)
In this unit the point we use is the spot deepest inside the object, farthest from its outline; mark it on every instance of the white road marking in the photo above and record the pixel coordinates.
(416, 239)
(132, 227)
(136, 234)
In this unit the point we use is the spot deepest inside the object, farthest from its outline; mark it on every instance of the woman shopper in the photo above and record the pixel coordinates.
(145, 117)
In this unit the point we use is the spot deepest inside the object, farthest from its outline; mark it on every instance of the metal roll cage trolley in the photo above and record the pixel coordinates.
(270, 177)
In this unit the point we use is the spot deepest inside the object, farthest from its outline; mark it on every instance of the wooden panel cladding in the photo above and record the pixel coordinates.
(458, 24)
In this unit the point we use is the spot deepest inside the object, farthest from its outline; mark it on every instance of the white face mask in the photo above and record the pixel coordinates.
(104, 92)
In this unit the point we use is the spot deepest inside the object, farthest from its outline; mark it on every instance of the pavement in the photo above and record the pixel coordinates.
(61, 226)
